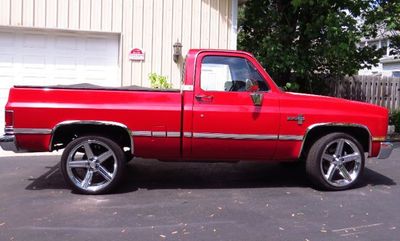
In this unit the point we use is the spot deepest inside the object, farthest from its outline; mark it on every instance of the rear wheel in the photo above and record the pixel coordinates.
(92, 164)
(335, 162)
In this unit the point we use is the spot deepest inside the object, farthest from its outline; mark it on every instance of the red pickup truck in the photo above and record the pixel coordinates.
(228, 109)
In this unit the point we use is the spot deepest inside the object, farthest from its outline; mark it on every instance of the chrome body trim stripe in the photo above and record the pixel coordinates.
(141, 133)
(9, 130)
(159, 133)
(235, 136)
(156, 133)
(219, 136)
(29, 131)
(291, 138)
(173, 134)
(206, 135)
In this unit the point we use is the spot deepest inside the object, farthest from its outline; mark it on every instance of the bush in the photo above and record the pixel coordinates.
(294, 87)
(394, 119)
(159, 81)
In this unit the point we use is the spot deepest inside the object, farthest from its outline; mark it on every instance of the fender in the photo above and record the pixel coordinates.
(333, 124)
(91, 122)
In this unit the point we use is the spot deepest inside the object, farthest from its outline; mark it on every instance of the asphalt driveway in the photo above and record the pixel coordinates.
(194, 201)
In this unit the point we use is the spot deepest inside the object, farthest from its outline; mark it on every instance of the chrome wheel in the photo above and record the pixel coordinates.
(341, 162)
(91, 165)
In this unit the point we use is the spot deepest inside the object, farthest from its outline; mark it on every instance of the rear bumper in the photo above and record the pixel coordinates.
(8, 143)
(386, 150)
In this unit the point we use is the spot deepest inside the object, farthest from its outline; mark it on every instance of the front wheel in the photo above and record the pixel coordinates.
(92, 164)
(335, 162)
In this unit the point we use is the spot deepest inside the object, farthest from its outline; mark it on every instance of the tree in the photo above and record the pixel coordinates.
(385, 21)
(308, 41)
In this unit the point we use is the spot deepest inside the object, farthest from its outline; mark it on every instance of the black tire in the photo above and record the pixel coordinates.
(92, 164)
(128, 156)
(324, 166)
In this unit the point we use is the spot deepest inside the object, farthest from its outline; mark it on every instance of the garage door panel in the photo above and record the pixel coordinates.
(97, 44)
(64, 75)
(99, 81)
(37, 41)
(91, 74)
(34, 62)
(63, 79)
(106, 76)
(3, 101)
(66, 43)
(6, 81)
(95, 64)
(33, 80)
(53, 58)
(66, 63)
(100, 47)
(3, 98)
(7, 39)
(6, 61)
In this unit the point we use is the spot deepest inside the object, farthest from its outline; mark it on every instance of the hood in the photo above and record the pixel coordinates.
(329, 109)
(337, 103)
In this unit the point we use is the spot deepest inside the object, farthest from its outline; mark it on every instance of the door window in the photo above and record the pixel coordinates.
(221, 73)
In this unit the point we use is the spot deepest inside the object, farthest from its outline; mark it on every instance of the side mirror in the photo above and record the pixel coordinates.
(257, 98)
(252, 85)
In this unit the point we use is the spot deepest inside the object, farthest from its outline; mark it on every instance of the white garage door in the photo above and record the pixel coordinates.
(49, 58)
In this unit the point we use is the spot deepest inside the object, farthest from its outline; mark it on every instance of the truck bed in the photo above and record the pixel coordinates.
(141, 110)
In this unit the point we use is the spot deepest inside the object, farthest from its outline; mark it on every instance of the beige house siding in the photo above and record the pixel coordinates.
(154, 25)
(89, 15)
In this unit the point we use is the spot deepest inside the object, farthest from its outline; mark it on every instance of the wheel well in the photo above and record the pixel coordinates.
(359, 133)
(64, 134)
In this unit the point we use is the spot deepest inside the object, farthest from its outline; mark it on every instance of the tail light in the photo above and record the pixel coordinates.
(9, 118)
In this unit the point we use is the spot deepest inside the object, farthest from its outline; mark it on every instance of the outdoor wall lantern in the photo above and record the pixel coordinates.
(177, 51)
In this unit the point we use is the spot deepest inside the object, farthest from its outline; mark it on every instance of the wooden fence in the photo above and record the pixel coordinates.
(383, 91)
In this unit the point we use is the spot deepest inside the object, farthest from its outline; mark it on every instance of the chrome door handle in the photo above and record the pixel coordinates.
(207, 98)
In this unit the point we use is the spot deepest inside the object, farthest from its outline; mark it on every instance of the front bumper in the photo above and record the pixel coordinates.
(8, 143)
(386, 150)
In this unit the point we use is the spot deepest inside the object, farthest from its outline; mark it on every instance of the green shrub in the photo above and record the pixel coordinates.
(159, 81)
(394, 119)
(292, 87)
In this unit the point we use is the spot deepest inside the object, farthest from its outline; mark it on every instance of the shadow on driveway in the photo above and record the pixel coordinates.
(152, 174)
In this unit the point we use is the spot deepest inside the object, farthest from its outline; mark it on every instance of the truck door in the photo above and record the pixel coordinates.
(227, 124)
